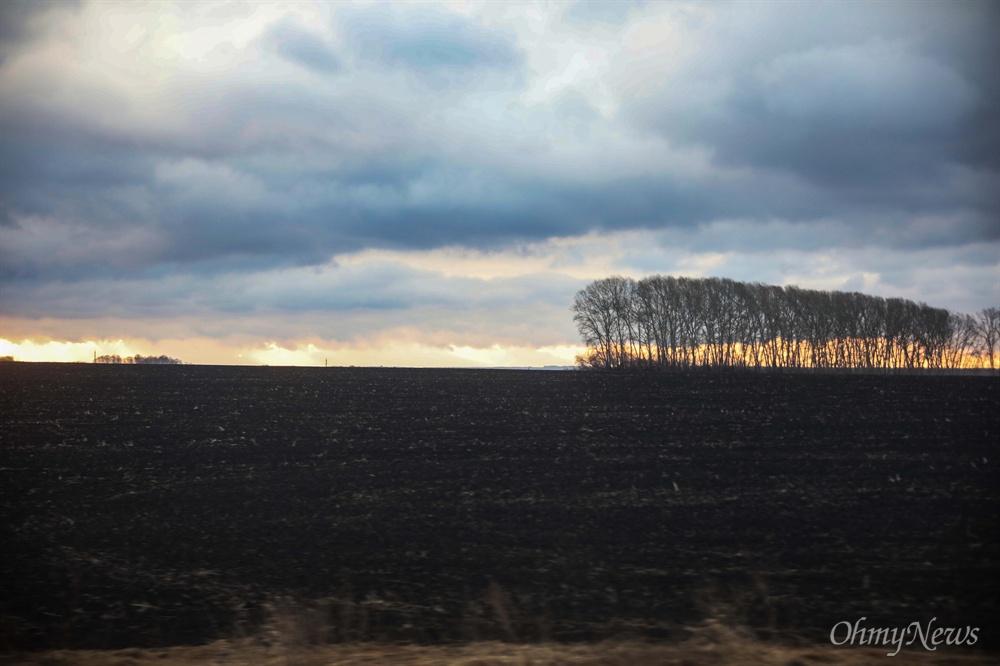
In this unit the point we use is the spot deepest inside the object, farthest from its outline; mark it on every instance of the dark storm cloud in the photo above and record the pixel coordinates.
(844, 117)
(422, 39)
(303, 47)
(369, 286)
(24, 20)
(603, 11)
(897, 110)
(15, 21)
(413, 128)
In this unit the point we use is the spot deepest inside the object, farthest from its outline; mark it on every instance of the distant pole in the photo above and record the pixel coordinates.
(95, 356)
(326, 363)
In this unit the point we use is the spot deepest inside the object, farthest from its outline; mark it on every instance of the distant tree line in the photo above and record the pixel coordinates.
(678, 322)
(138, 359)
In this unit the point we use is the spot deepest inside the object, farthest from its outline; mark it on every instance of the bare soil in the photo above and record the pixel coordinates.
(156, 506)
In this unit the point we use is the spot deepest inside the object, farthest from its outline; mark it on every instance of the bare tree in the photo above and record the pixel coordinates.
(664, 321)
(989, 335)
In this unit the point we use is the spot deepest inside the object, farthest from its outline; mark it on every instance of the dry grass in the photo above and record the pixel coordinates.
(711, 644)
(332, 632)
(225, 653)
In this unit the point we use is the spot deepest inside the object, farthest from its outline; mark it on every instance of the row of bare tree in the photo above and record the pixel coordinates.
(664, 321)
(138, 359)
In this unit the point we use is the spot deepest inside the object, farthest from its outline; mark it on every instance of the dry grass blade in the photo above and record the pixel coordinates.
(715, 645)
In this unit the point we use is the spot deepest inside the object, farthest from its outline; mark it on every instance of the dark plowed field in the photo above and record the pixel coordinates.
(147, 505)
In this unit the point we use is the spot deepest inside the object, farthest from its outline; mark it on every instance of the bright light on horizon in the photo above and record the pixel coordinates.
(211, 352)
(61, 351)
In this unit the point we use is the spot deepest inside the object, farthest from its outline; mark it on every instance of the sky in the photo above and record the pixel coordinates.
(429, 184)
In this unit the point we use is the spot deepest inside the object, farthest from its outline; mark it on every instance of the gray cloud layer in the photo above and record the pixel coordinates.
(128, 154)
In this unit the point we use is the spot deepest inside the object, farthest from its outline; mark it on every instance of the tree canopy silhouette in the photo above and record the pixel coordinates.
(138, 359)
(665, 321)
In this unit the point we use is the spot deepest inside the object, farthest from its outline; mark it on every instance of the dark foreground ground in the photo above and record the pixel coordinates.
(161, 505)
